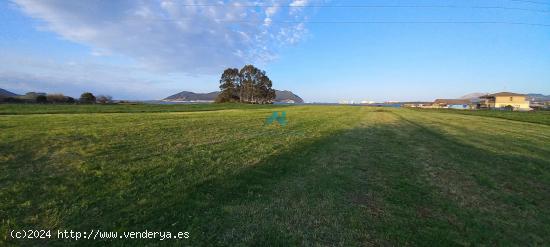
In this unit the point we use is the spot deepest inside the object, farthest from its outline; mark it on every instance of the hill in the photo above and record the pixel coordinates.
(287, 97)
(191, 96)
(280, 96)
(473, 95)
(6, 93)
(538, 97)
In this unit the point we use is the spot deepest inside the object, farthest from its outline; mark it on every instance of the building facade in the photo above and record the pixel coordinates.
(504, 100)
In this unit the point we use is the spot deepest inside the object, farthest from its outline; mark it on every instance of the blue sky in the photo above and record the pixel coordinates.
(325, 51)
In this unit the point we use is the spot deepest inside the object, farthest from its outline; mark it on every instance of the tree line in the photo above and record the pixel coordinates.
(247, 85)
(42, 98)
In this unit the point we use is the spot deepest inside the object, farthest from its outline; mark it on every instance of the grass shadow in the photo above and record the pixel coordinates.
(380, 184)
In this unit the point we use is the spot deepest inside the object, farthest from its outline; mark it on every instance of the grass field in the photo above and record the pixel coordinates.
(334, 176)
(542, 117)
(25, 109)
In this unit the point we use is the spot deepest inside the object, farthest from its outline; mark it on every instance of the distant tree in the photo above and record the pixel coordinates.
(248, 85)
(41, 99)
(31, 96)
(228, 86)
(265, 94)
(70, 100)
(87, 98)
(12, 100)
(56, 98)
(104, 99)
(249, 79)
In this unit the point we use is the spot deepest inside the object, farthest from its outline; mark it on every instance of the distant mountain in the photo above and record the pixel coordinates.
(473, 96)
(190, 96)
(538, 97)
(287, 97)
(280, 96)
(6, 93)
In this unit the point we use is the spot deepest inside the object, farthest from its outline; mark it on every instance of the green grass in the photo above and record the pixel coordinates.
(542, 117)
(23, 109)
(334, 176)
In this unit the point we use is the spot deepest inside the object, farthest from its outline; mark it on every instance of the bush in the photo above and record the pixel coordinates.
(41, 99)
(11, 100)
(104, 99)
(56, 98)
(87, 98)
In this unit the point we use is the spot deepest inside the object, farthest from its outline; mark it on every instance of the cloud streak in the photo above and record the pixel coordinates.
(189, 36)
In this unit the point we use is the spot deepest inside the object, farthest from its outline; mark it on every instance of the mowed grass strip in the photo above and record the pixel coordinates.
(335, 175)
(24, 109)
(540, 117)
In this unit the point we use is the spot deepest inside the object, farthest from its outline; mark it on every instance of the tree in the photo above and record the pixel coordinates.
(32, 96)
(55, 98)
(12, 100)
(87, 98)
(248, 85)
(228, 86)
(249, 81)
(104, 99)
(41, 99)
(265, 93)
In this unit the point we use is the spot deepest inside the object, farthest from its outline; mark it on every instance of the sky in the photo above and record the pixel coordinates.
(322, 50)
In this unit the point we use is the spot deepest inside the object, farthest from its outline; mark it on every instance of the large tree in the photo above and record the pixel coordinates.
(248, 85)
(228, 86)
(263, 91)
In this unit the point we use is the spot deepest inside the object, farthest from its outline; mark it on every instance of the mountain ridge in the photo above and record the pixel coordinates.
(284, 96)
(473, 95)
(538, 97)
(6, 93)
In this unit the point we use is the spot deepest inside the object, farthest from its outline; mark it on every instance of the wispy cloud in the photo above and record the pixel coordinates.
(188, 36)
